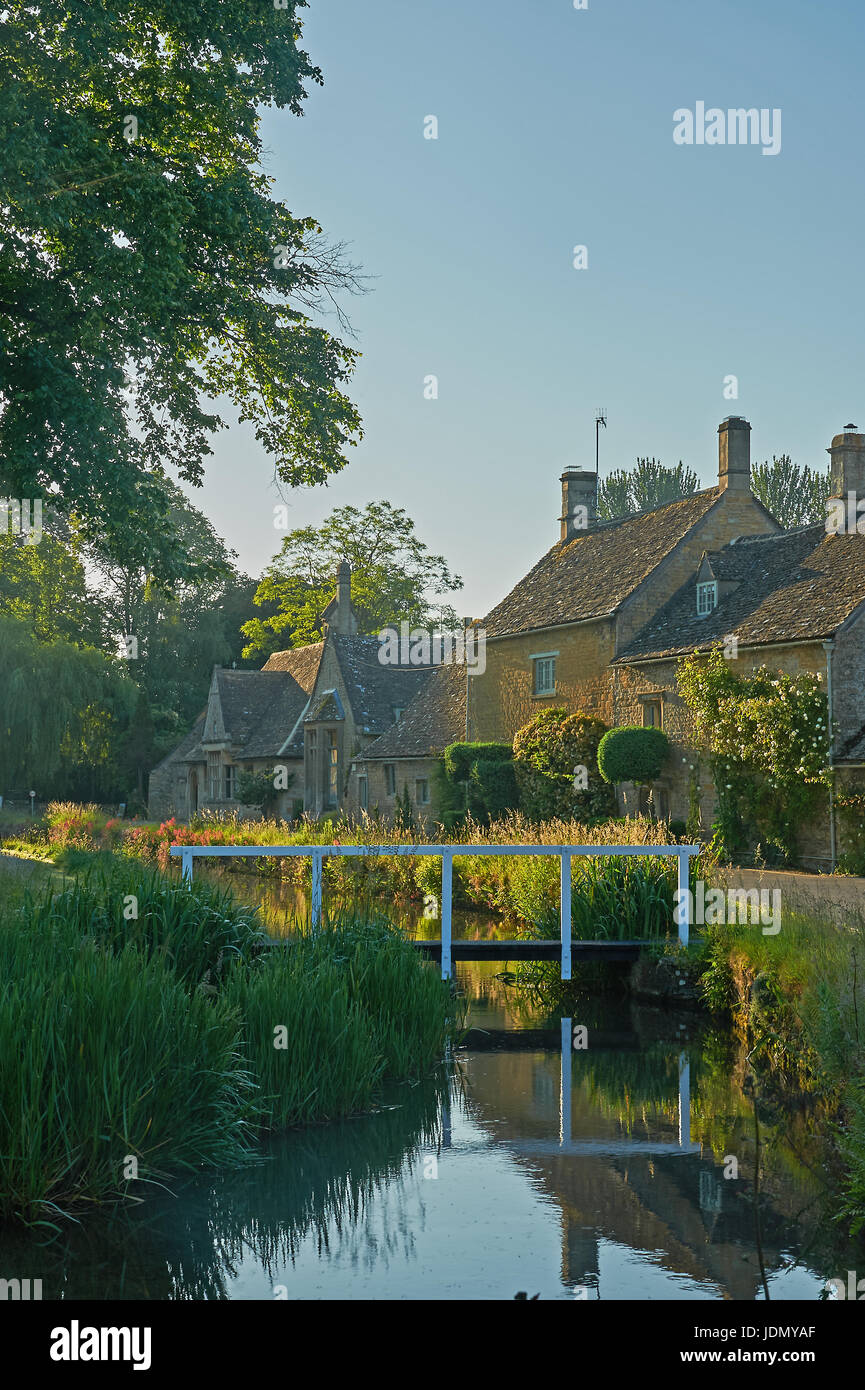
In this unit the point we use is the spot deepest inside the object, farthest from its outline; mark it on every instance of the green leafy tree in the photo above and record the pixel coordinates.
(555, 757)
(64, 711)
(184, 629)
(393, 576)
(44, 587)
(648, 484)
(144, 265)
(796, 496)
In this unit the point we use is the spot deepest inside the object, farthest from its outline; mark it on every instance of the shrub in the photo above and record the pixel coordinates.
(547, 752)
(632, 754)
(494, 783)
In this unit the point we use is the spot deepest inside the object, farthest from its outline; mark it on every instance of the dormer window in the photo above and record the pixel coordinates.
(707, 598)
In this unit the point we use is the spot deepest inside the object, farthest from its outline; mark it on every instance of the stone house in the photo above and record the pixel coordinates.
(304, 716)
(599, 624)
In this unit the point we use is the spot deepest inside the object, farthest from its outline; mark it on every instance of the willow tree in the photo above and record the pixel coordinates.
(63, 713)
(147, 277)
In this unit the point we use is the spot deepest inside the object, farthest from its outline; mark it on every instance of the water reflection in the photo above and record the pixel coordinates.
(525, 1163)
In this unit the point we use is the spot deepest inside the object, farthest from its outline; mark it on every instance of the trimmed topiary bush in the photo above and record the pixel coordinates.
(547, 752)
(632, 754)
(488, 770)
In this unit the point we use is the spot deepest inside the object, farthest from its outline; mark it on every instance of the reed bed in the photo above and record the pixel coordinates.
(152, 1038)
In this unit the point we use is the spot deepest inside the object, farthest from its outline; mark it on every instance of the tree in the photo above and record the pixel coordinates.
(144, 265)
(392, 574)
(796, 496)
(555, 756)
(63, 713)
(183, 630)
(44, 587)
(648, 484)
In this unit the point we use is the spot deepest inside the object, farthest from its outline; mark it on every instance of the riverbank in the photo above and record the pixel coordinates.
(147, 1029)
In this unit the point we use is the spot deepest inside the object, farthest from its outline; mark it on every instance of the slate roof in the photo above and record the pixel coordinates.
(783, 587)
(373, 689)
(435, 718)
(591, 575)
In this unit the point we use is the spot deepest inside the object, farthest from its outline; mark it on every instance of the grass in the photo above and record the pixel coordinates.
(151, 1037)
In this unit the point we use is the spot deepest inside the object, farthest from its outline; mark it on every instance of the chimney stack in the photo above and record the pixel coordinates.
(579, 502)
(847, 452)
(734, 454)
(343, 618)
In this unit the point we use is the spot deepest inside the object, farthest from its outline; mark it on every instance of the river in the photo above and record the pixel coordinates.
(624, 1169)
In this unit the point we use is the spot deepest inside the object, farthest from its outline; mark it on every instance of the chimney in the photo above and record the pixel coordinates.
(847, 452)
(343, 620)
(579, 502)
(734, 454)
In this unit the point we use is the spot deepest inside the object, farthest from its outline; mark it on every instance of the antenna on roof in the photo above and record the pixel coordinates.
(600, 419)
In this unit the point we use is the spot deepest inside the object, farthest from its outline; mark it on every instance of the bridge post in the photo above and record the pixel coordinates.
(565, 915)
(186, 865)
(447, 900)
(683, 910)
(684, 1099)
(315, 902)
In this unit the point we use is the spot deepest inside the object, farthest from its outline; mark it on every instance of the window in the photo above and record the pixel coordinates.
(213, 776)
(421, 791)
(652, 714)
(707, 598)
(230, 783)
(363, 790)
(545, 675)
(390, 779)
(332, 768)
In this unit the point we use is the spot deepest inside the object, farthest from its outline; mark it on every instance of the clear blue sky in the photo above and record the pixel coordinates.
(555, 128)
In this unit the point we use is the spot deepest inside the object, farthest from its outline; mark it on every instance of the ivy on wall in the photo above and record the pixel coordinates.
(767, 738)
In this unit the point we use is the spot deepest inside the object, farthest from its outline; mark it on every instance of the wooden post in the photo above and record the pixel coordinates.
(186, 865)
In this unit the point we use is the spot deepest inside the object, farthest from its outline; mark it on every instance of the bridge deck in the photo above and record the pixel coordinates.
(532, 950)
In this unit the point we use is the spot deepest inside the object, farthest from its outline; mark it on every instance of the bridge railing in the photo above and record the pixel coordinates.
(317, 853)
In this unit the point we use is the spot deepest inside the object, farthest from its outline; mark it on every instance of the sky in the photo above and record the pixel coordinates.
(555, 130)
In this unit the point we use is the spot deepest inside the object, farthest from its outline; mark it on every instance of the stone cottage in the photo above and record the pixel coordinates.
(597, 625)
(601, 621)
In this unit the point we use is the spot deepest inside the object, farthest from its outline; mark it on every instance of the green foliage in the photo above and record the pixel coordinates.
(63, 713)
(767, 736)
(142, 272)
(850, 805)
(404, 811)
(547, 752)
(645, 486)
(796, 496)
(154, 1036)
(257, 788)
(103, 1056)
(494, 785)
(632, 753)
(392, 572)
(480, 780)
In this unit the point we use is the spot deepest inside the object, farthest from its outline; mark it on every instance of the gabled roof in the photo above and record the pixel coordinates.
(787, 587)
(591, 575)
(374, 689)
(435, 718)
